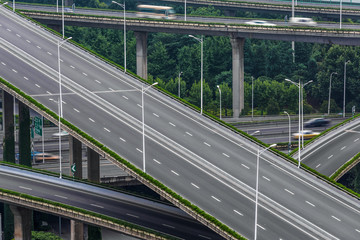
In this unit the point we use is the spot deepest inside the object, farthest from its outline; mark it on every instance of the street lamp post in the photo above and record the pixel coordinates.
(143, 90)
(330, 92)
(63, 19)
(201, 40)
(220, 98)
(257, 185)
(57, 6)
(123, 6)
(60, 43)
(340, 12)
(289, 130)
(185, 10)
(179, 84)
(252, 98)
(345, 86)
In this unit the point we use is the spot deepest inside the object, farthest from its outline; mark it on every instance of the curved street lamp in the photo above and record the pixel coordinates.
(220, 98)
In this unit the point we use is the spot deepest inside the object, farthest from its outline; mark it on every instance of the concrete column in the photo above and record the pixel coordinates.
(77, 230)
(24, 135)
(9, 140)
(75, 152)
(93, 168)
(22, 222)
(141, 54)
(238, 74)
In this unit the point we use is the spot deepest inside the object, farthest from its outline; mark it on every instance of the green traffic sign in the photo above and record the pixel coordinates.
(73, 168)
(38, 125)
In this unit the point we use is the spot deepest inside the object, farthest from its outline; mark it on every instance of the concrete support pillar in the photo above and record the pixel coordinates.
(24, 135)
(22, 222)
(238, 74)
(93, 168)
(141, 54)
(75, 153)
(77, 230)
(9, 138)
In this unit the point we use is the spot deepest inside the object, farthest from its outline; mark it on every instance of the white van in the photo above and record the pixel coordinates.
(300, 21)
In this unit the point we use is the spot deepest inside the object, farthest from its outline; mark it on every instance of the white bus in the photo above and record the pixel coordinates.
(158, 12)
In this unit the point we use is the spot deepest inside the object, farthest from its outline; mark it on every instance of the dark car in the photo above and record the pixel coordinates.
(317, 122)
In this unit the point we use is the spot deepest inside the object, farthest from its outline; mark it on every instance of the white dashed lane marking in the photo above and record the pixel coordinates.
(111, 89)
(169, 226)
(172, 124)
(261, 227)
(202, 236)
(343, 148)
(91, 119)
(356, 140)
(98, 206)
(237, 212)
(139, 150)
(156, 161)
(3, 63)
(76, 110)
(310, 203)
(59, 196)
(337, 219)
(216, 199)
(28, 41)
(84, 74)
(125, 97)
(72, 66)
(155, 115)
(357, 230)
(289, 191)
(49, 53)
(38, 47)
(8, 30)
(207, 144)
(37, 85)
(189, 134)
(139, 106)
(106, 129)
(330, 156)
(318, 165)
(14, 70)
(245, 166)
(196, 186)
(26, 188)
(98, 81)
(225, 155)
(26, 78)
(267, 179)
(174, 172)
(48, 92)
(132, 215)
(18, 35)
(122, 139)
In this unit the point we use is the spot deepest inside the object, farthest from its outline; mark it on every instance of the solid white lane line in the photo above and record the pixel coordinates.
(268, 179)
(356, 140)
(139, 106)
(262, 227)
(189, 134)
(172, 124)
(139, 150)
(84, 74)
(72, 66)
(207, 144)
(111, 89)
(335, 218)
(289, 191)
(18, 35)
(204, 236)
(196, 186)
(245, 166)
(26, 78)
(343, 148)
(122, 139)
(237, 212)
(98, 206)
(91, 119)
(174, 172)
(26, 188)
(106, 129)
(225, 155)
(156, 161)
(125, 97)
(49, 53)
(132, 215)
(14, 70)
(38, 47)
(318, 165)
(310, 203)
(98, 81)
(155, 115)
(330, 156)
(169, 226)
(59, 196)
(37, 85)
(216, 199)
(76, 110)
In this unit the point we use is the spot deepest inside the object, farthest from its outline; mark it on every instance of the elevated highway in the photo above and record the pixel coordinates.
(208, 165)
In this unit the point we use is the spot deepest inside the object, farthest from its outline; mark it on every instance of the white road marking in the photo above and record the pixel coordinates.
(37, 85)
(335, 218)
(139, 106)
(125, 97)
(174, 172)
(72, 66)
(207, 144)
(216, 199)
(356, 140)
(28, 41)
(139, 150)
(169, 226)
(196, 186)
(48, 92)
(156, 161)
(84, 74)
(343, 148)
(61, 60)
(155, 115)
(26, 188)
(91, 119)
(98, 81)
(38, 47)
(26, 78)
(262, 227)
(8, 30)
(49, 53)
(98, 206)
(237, 212)
(330, 156)
(268, 179)
(245, 166)
(310, 203)
(357, 230)
(318, 165)
(59, 196)
(18, 35)
(172, 124)
(111, 89)
(189, 134)
(226, 155)
(131, 215)
(289, 191)
(3, 63)
(204, 236)
(76, 110)
(122, 139)
(106, 129)
(14, 70)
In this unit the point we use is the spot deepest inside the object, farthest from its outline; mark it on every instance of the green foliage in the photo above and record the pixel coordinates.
(44, 236)
(94, 233)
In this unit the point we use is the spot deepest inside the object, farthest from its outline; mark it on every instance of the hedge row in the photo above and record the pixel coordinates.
(343, 167)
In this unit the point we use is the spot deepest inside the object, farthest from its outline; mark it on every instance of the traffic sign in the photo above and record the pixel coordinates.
(73, 168)
(38, 125)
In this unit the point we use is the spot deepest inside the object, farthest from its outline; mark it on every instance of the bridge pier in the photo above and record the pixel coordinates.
(237, 44)
(9, 137)
(93, 166)
(75, 154)
(141, 54)
(24, 135)
(22, 222)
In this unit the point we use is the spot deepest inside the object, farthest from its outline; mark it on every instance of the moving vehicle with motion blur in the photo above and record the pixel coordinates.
(317, 122)
(157, 12)
(261, 23)
(301, 21)
(306, 133)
